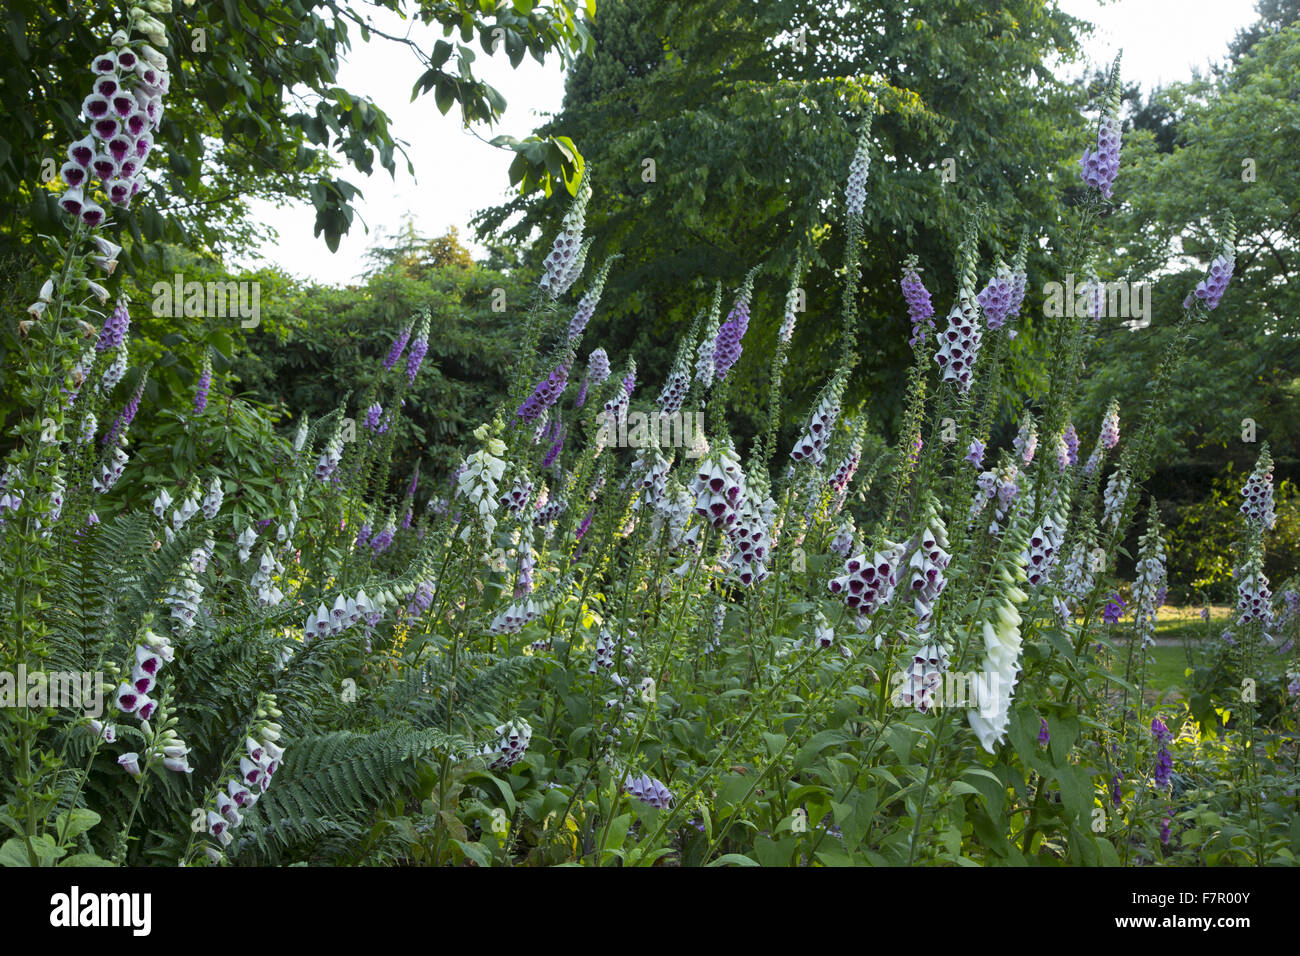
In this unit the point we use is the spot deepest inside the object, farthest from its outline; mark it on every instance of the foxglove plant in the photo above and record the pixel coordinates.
(398, 346)
(419, 348)
(855, 191)
(1039, 558)
(1000, 629)
(1257, 506)
(922, 678)
(1149, 584)
(719, 487)
(478, 483)
(927, 563)
(1100, 166)
(959, 344)
(1209, 291)
(203, 387)
(812, 444)
(868, 583)
(598, 367)
(705, 361)
(560, 267)
(587, 304)
(649, 791)
(727, 347)
(1026, 441)
(514, 737)
(998, 296)
(545, 394)
(1114, 498)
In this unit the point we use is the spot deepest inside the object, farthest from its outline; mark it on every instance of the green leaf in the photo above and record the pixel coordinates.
(733, 859)
(617, 832)
(774, 852)
(477, 852)
(77, 821)
(13, 853)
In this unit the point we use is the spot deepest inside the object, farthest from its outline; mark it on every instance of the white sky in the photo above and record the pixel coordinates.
(458, 174)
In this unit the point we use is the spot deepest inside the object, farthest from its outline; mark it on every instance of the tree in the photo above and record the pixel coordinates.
(254, 109)
(1231, 158)
(719, 128)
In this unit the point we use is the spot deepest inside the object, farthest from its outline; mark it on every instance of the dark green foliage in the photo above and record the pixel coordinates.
(331, 341)
(751, 113)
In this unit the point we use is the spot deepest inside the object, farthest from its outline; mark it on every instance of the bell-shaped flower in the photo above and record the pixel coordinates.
(249, 772)
(72, 200)
(130, 763)
(179, 764)
(229, 809)
(146, 661)
(105, 128)
(141, 680)
(240, 794)
(128, 699)
(96, 107)
(161, 503)
(147, 707)
(72, 174)
(216, 824)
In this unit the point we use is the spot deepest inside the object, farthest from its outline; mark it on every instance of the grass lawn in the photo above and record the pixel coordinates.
(1165, 668)
(1185, 624)
(1175, 626)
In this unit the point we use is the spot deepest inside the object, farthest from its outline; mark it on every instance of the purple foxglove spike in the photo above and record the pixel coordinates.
(919, 308)
(399, 344)
(202, 389)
